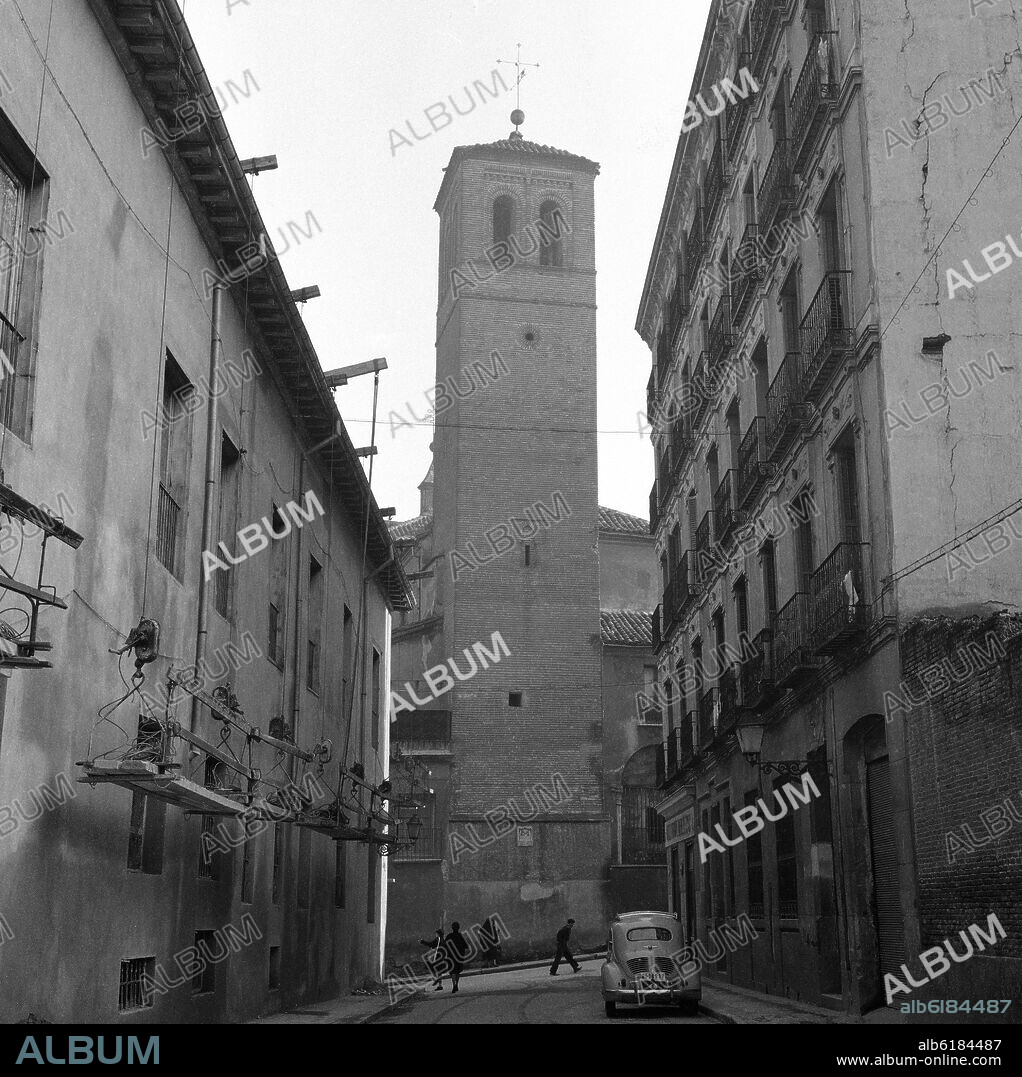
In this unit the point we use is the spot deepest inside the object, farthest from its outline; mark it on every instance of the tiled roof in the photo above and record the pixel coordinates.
(520, 145)
(412, 529)
(633, 627)
(622, 523)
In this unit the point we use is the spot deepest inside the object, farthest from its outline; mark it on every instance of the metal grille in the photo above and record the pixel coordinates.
(207, 870)
(168, 515)
(222, 591)
(132, 992)
(430, 845)
(890, 922)
(638, 966)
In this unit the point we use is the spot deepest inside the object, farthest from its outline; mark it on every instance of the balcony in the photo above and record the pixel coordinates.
(794, 658)
(423, 732)
(701, 555)
(654, 510)
(757, 673)
(727, 688)
(814, 94)
(725, 511)
(721, 338)
(709, 714)
(764, 21)
(713, 187)
(670, 614)
(695, 248)
(838, 610)
(825, 333)
(747, 272)
(754, 467)
(785, 407)
(776, 189)
(664, 355)
(677, 753)
(658, 639)
(431, 845)
(683, 593)
(663, 480)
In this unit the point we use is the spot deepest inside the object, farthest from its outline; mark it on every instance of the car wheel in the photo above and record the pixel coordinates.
(610, 1008)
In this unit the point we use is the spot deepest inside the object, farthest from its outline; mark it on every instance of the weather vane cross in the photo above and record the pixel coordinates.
(518, 65)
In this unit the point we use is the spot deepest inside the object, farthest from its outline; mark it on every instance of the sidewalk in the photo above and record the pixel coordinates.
(739, 1006)
(361, 1008)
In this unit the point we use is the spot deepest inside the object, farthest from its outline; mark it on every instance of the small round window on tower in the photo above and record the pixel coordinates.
(530, 336)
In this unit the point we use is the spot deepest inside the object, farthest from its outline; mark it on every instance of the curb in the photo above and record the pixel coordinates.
(717, 1015)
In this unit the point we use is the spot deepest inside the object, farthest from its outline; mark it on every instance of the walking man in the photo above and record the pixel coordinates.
(458, 950)
(563, 953)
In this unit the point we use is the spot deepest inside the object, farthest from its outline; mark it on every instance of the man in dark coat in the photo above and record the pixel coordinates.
(458, 950)
(563, 953)
(434, 961)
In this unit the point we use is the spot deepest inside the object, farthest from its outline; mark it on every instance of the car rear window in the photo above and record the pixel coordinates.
(649, 934)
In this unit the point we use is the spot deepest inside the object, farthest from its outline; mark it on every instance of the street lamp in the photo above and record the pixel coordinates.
(414, 826)
(750, 744)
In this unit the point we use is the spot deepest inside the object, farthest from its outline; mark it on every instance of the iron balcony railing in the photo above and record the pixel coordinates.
(713, 186)
(825, 332)
(721, 338)
(785, 406)
(658, 639)
(168, 519)
(727, 687)
(814, 93)
(754, 467)
(776, 189)
(764, 20)
(695, 248)
(423, 732)
(682, 594)
(757, 675)
(725, 511)
(677, 750)
(747, 272)
(654, 510)
(431, 845)
(709, 716)
(794, 657)
(838, 610)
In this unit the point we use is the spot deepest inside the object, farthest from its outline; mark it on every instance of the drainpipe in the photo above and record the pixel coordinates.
(209, 492)
(296, 672)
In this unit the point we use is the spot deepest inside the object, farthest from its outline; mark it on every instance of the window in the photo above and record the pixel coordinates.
(847, 487)
(374, 868)
(279, 559)
(340, 873)
(503, 218)
(348, 665)
(273, 974)
(768, 557)
(175, 459)
(649, 715)
(312, 676)
(204, 980)
(145, 836)
(208, 863)
(23, 195)
(754, 865)
(132, 990)
(230, 473)
(830, 230)
(648, 934)
(278, 862)
(374, 701)
(742, 610)
(528, 554)
(787, 863)
(791, 316)
(304, 866)
(247, 870)
(551, 218)
(804, 554)
(514, 699)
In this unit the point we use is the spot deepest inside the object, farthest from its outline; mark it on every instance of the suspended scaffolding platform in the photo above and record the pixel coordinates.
(157, 780)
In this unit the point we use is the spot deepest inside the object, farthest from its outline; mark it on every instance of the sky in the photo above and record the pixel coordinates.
(322, 83)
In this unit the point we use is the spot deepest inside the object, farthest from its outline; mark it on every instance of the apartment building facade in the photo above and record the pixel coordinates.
(794, 522)
(166, 854)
